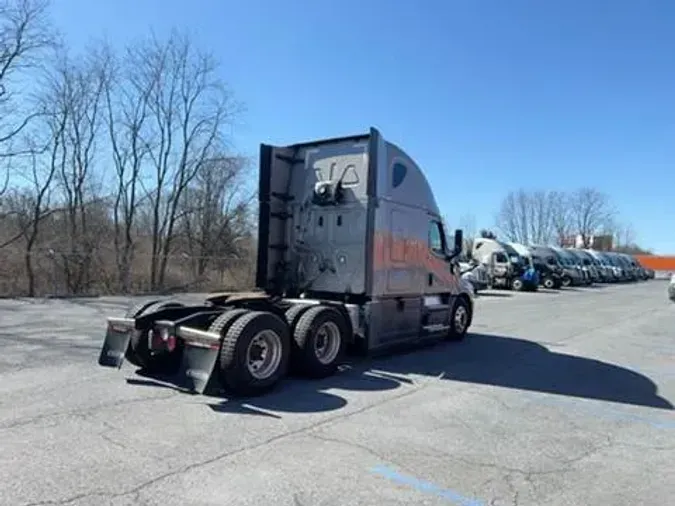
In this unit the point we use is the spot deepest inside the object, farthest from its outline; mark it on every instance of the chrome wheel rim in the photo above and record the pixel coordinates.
(263, 354)
(461, 318)
(327, 343)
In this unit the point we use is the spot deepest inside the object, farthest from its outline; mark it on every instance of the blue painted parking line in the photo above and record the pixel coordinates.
(425, 486)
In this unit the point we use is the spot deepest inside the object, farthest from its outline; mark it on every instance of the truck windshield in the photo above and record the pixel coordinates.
(514, 256)
(561, 259)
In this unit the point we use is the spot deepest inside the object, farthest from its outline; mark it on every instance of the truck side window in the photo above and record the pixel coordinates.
(501, 257)
(436, 238)
(398, 172)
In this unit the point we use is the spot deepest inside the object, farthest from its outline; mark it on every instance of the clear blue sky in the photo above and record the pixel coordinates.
(494, 93)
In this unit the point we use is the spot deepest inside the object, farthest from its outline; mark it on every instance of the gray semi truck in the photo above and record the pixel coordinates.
(352, 254)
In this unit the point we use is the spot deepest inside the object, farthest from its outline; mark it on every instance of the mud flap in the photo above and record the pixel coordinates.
(200, 354)
(116, 342)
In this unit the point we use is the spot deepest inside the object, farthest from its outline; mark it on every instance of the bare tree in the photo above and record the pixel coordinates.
(590, 210)
(38, 200)
(25, 33)
(188, 108)
(508, 219)
(623, 235)
(215, 209)
(75, 92)
(544, 217)
(562, 219)
(524, 216)
(5, 184)
(540, 217)
(467, 222)
(153, 121)
(41, 185)
(27, 206)
(127, 113)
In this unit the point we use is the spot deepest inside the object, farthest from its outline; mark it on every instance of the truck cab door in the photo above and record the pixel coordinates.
(442, 276)
(437, 257)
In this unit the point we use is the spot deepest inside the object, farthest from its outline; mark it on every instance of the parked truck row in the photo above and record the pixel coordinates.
(497, 264)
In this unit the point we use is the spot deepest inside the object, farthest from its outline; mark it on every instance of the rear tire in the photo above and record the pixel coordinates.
(293, 314)
(319, 341)
(255, 354)
(139, 352)
(517, 285)
(223, 323)
(566, 281)
(549, 283)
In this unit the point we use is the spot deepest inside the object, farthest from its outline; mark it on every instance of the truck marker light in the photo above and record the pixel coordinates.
(120, 329)
(171, 342)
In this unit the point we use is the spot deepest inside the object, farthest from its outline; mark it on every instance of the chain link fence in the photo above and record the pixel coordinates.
(65, 274)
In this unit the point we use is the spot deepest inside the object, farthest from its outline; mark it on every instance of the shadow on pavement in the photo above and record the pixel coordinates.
(484, 359)
(494, 294)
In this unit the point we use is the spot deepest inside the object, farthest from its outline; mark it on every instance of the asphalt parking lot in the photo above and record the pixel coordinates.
(558, 398)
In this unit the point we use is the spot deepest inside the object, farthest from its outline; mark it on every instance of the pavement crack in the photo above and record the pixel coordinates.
(81, 412)
(104, 434)
(227, 454)
(68, 500)
(350, 444)
(563, 466)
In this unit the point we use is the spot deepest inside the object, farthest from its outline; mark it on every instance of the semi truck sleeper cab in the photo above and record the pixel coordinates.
(351, 250)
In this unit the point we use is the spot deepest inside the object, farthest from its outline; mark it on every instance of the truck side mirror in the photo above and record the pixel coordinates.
(459, 241)
(458, 246)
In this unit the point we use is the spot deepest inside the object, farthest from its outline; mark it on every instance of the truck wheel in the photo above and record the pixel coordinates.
(549, 283)
(223, 323)
(566, 281)
(139, 352)
(293, 315)
(319, 341)
(517, 285)
(139, 309)
(460, 318)
(255, 354)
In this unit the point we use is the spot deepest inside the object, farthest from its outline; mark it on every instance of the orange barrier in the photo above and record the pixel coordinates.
(657, 263)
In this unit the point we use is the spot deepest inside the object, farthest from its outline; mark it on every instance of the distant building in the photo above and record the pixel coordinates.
(597, 242)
